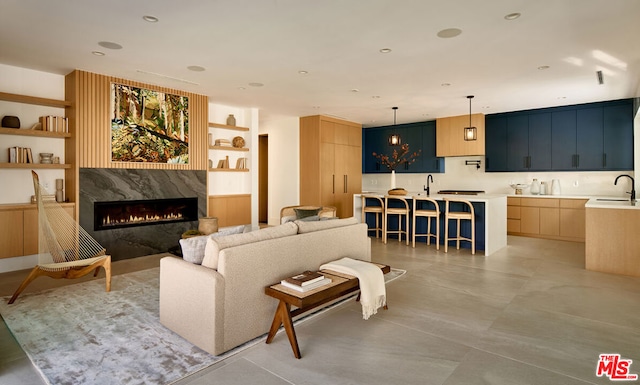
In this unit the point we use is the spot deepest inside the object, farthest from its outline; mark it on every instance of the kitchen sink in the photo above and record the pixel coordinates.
(613, 199)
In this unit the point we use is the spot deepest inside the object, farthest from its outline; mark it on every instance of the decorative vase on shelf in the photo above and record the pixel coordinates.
(393, 179)
(231, 120)
(535, 187)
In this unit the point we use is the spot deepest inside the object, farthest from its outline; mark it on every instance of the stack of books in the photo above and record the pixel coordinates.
(223, 143)
(20, 155)
(54, 123)
(241, 163)
(306, 281)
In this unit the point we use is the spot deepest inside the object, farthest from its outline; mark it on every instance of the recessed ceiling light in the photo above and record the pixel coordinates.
(512, 16)
(98, 53)
(241, 88)
(316, 107)
(449, 32)
(445, 84)
(256, 84)
(562, 97)
(376, 97)
(303, 72)
(541, 68)
(355, 90)
(150, 19)
(196, 68)
(109, 45)
(385, 50)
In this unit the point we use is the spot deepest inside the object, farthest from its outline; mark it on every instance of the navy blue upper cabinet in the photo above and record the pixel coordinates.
(496, 142)
(587, 137)
(539, 141)
(563, 139)
(518, 142)
(618, 136)
(419, 136)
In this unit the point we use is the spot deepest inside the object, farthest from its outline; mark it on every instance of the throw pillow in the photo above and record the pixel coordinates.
(193, 248)
(303, 213)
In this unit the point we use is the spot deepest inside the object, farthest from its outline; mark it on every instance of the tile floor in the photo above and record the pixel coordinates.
(529, 314)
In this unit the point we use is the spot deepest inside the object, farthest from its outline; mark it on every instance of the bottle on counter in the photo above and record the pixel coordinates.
(543, 188)
(535, 187)
(555, 187)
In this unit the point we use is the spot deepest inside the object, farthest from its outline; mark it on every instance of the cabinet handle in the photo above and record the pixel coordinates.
(333, 189)
(345, 184)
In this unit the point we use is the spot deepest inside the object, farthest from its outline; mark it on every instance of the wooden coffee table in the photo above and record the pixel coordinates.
(341, 284)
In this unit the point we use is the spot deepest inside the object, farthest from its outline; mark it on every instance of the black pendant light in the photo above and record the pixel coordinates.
(470, 133)
(394, 138)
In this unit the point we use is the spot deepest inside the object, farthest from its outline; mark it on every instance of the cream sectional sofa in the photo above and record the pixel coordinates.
(221, 304)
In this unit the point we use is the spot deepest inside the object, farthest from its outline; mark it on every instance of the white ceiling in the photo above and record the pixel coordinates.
(338, 42)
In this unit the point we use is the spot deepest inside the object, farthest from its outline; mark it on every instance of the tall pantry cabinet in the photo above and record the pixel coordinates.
(330, 162)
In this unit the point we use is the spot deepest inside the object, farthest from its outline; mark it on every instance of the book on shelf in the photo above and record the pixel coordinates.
(241, 163)
(13, 154)
(311, 286)
(223, 143)
(306, 278)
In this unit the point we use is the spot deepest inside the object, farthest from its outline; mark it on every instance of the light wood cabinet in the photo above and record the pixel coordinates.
(231, 210)
(552, 218)
(19, 229)
(330, 162)
(450, 136)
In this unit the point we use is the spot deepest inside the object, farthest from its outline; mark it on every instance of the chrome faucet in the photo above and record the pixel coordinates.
(427, 187)
(633, 186)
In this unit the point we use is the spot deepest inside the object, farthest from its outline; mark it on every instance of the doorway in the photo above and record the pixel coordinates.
(263, 180)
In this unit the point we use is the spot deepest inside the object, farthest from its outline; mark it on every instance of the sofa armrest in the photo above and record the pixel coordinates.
(192, 303)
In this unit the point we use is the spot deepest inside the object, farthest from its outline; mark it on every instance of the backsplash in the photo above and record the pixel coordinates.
(462, 177)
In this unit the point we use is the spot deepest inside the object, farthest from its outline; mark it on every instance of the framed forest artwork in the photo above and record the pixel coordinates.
(148, 126)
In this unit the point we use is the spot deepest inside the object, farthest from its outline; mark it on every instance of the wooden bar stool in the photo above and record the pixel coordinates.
(399, 211)
(426, 213)
(458, 216)
(377, 210)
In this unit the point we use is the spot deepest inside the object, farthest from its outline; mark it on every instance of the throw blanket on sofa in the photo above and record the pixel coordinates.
(373, 294)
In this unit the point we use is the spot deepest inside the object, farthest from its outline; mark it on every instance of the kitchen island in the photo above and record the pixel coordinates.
(612, 241)
(491, 217)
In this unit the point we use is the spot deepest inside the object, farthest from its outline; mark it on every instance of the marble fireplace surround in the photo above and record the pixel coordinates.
(104, 184)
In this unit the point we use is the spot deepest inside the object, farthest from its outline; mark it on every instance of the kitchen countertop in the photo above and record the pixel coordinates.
(599, 203)
(411, 194)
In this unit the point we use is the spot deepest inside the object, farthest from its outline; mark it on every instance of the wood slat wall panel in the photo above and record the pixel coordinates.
(92, 121)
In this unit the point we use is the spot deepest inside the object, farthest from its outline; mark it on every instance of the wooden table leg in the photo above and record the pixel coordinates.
(283, 317)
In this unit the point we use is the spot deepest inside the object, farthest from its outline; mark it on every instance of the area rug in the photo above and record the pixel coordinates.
(79, 334)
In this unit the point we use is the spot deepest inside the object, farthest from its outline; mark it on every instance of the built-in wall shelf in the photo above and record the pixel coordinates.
(230, 169)
(35, 165)
(227, 148)
(27, 132)
(237, 128)
(34, 100)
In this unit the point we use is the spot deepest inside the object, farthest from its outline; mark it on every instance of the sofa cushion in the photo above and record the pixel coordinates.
(308, 227)
(306, 212)
(193, 247)
(214, 245)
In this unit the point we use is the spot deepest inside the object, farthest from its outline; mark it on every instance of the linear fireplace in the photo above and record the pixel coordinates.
(118, 214)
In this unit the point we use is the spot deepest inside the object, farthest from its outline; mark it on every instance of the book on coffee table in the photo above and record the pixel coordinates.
(315, 285)
(304, 279)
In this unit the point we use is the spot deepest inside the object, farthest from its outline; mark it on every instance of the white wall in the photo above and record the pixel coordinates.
(16, 183)
(284, 164)
(459, 176)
